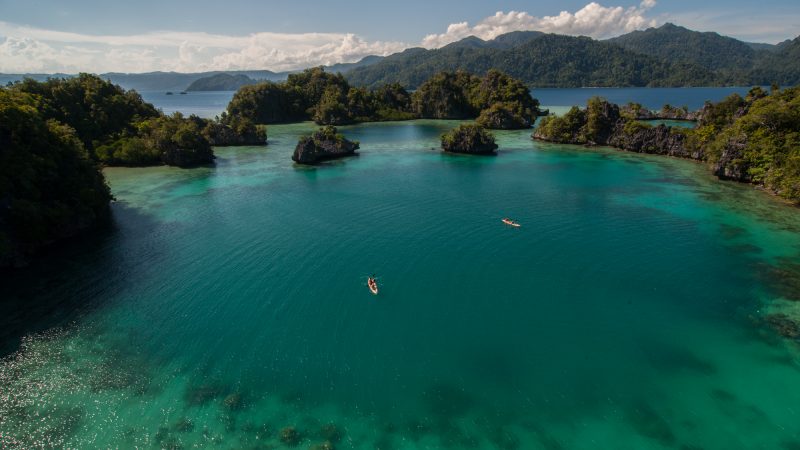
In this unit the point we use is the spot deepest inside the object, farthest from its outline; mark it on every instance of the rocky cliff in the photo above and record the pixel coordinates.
(469, 139)
(323, 145)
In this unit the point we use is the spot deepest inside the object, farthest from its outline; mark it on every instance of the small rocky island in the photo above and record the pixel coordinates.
(325, 144)
(469, 139)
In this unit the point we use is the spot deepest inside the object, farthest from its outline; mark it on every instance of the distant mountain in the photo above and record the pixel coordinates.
(544, 60)
(175, 81)
(503, 42)
(467, 42)
(6, 78)
(514, 38)
(669, 55)
(346, 67)
(781, 66)
(710, 50)
(757, 46)
(221, 82)
(154, 81)
(731, 60)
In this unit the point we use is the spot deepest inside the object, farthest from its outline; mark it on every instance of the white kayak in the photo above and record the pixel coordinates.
(373, 286)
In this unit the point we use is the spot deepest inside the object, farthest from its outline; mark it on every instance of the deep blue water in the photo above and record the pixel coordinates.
(210, 104)
(653, 98)
(203, 104)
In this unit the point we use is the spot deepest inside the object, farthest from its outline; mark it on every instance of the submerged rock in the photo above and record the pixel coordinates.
(233, 401)
(327, 445)
(323, 145)
(289, 436)
(784, 325)
(199, 395)
(184, 425)
(469, 139)
(330, 433)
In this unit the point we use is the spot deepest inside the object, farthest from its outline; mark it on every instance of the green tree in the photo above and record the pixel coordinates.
(49, 187)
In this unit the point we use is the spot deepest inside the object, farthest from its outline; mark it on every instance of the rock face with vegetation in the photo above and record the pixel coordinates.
(753, 139)
(325, 144)
(660, 140)
(469, 139)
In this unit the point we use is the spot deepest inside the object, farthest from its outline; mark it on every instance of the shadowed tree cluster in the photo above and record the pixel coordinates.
(55, 134)
(49, 186)
(117, 127)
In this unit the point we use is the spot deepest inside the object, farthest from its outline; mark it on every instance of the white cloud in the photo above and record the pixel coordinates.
(29, 55)
(592, 20)
(27, 49)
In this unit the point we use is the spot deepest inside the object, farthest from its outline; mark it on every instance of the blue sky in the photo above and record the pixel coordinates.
(143, 35)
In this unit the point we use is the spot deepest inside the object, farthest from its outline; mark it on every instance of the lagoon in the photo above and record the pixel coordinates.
(230, 302)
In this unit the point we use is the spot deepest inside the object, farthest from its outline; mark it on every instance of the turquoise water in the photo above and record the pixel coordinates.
(231, 302)
(206, 104)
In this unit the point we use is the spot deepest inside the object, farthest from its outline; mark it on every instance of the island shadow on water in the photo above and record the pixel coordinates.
(46, 294)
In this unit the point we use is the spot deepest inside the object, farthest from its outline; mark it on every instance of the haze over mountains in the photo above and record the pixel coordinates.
(176, 81)
(669, 55)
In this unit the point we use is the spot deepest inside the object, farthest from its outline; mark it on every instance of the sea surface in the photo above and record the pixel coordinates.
(205, 104)
(210, 104)
(228, 307)
(652, 98)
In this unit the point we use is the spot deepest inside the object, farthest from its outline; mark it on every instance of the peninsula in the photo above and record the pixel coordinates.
(752, 139)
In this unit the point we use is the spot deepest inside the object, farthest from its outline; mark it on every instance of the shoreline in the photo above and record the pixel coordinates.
(759, 187)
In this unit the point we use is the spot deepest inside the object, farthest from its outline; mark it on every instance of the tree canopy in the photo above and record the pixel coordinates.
(49, 186)
(330, 100)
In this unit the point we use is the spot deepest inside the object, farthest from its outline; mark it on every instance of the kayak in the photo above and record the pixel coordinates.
(510, 222)
(373, 286)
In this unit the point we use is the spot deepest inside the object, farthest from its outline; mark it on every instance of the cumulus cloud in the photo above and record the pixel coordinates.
(26, 49)
(592, 20)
